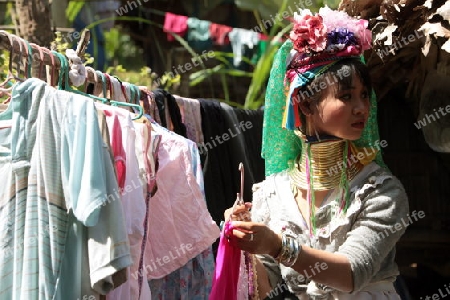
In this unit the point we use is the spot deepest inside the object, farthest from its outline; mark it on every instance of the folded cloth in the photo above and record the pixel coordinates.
(219, 33)
(175, 24)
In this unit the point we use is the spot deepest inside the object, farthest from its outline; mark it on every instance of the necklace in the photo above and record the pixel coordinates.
(327, 164)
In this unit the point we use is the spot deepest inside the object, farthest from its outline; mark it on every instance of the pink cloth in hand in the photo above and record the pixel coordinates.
(226, 273)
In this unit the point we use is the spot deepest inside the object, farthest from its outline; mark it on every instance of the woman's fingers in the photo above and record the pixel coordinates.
(248, 226)
(240, 213)
(253, 237)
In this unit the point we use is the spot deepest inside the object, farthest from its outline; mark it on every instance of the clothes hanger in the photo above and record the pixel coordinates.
(7, 114)
(110, 86)
(41, 57)
(132, 93)
(136, 107)
(92, 71)
(27, 68)
(53, 66)
(102, 81)
(239, 199)
(29, 58)
(138, 94)
(11, 75)
(137, 102)
(64, 74)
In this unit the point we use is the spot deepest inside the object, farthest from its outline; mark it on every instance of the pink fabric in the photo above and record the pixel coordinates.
(175, 24)
(226, 274)
(219, 33)
(115, 137)
(180, 226)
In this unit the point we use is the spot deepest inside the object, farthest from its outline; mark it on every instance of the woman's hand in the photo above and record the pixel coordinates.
(255, 238)
(241, 212)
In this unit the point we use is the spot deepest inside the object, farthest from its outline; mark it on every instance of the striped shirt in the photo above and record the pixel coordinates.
(62, 236)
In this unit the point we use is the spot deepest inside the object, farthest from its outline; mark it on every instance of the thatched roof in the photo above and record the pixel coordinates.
(411, 37)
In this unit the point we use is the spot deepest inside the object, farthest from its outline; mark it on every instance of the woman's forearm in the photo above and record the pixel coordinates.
(331, 269)
(326, 268)
(263, 281)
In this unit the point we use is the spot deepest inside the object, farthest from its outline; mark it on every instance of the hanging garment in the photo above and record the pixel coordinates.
(180, 227)
(191, 118)
(220, 175)
(239, 39)
(175, 24)
(61, 205)
(250, 127)
(246, 128)
(198, 35)
(260, 51)
(219, 34)
(147, 143)
(169, 107)
(192, 281)
(226, 274)
(150, 108)
(132, 197)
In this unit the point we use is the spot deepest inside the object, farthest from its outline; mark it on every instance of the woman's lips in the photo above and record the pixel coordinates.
(359, 125)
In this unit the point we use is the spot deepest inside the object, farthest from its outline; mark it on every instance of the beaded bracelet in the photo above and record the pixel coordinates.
(290, 250)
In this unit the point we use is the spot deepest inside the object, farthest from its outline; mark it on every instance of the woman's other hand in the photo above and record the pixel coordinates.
(241, 213)
(255, 238)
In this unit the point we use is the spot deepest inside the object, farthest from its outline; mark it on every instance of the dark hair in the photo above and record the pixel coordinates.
(340, 73)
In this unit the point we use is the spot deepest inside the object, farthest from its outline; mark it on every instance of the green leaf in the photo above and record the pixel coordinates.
(73, 8)
(225, 87)
(199, 76)
(255, 95)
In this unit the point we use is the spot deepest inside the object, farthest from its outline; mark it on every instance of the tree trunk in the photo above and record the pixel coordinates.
(34, 21)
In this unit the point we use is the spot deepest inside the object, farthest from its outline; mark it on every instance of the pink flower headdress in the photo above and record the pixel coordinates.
(318, 38)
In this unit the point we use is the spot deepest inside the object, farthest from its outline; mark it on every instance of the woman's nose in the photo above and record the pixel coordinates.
(361, 107)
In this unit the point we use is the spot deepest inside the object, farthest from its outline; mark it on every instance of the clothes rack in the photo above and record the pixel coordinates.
(214, 121)
(15, 44)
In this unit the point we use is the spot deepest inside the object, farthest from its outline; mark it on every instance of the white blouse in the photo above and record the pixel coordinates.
(366, 234)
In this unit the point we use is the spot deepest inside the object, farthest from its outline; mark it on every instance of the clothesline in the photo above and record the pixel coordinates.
(263, 37)
(204, 34)
(258, 31)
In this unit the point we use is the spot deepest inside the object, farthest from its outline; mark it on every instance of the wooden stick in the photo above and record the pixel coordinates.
(83, 43)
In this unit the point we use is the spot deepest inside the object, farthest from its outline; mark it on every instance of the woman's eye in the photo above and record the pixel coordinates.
(345, 97)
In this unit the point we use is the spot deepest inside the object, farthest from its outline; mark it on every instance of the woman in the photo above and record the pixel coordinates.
(325, 226)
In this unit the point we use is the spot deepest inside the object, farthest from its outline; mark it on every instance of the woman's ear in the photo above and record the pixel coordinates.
(305, 107)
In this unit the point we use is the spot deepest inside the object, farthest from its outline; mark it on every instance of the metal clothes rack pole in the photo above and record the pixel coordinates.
(47, 55)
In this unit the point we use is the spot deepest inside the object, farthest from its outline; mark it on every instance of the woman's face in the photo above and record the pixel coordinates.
(343, 112)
